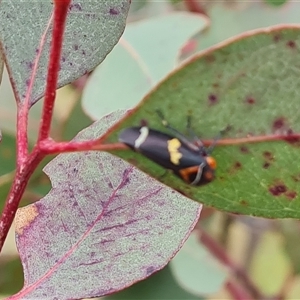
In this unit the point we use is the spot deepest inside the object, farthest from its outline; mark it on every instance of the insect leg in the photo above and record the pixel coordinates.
(199, 174)
(177, 134)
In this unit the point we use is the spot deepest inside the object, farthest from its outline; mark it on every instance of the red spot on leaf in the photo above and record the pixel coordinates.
(278, 124)
(210, 58)
(296, 178)
(276, 38)
(113, 11)
(144, 122)
(266, 165)
(293, 140)
(244, 149)
(250, 100)
(290, 131)
(278, 189)
(213, 99)
(268, 156)
(291, 195)
(235, 167)
(291, 44)
(244, 203)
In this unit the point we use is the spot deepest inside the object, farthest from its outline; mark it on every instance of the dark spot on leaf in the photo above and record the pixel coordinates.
(110, 185)
(290, 131)
(150, 270)
(144, 122)
(227, 128)
(76, 6)
(30, 65)
(237, 165)
(244, 203)
(276, 38)
(278, 189)
(291, 195)
(76, 47)
(296, 178)
(278, 124)
(113, 11)
(268, 156)
(291, 44)
(210, 58)
(27, 82)
(244, 149)
(250, 100)
(216, 85)
(213, 99)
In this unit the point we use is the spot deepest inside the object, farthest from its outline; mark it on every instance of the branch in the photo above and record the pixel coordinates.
(60, 16)
(216, 250)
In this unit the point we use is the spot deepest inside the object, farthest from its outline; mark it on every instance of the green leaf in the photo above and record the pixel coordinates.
(148, 51)
(7, 153)
(270, 258)
(239, 16)
(76, 122)
(11, 280)
(276, 2)
(252, 84)
(196, 269)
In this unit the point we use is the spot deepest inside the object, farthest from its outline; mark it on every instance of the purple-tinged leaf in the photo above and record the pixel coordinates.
(93, 28)
(103, 226)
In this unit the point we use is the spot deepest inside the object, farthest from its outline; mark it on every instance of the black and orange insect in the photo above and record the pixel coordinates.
(188, 158)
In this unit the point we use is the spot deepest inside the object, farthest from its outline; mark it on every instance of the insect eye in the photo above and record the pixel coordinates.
(211, 162)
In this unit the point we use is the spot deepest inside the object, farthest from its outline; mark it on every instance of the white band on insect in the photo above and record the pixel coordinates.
(142, 137)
